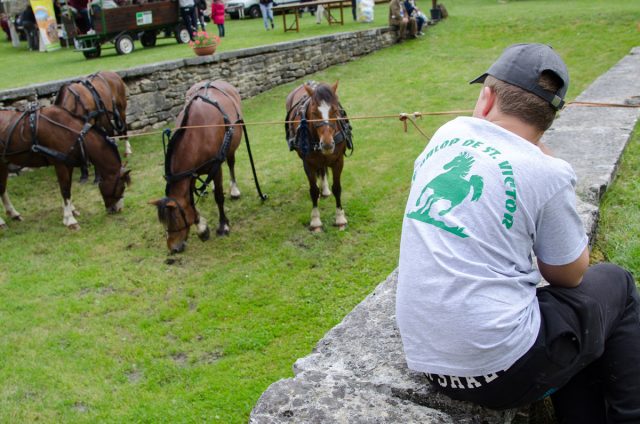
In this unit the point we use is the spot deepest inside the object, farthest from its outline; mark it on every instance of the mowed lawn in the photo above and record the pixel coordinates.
(101, 325)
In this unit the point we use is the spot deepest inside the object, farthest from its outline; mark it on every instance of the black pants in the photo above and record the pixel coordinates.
(586, 356)
(220, 30)
(190, 20)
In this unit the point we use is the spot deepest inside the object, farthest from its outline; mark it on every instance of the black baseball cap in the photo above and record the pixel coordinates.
(522, 65)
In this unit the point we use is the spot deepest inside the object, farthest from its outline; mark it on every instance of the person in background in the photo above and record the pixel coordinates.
(399, 19)
(217, 14)
(188, 13)
(414, 12)
(354, 11)
(28, 23)
(201, 7)
(486, 196)
(82, 16)
(267, 13)
(4, 21)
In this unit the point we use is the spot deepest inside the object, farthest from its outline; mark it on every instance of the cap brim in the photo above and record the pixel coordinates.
(481, 78)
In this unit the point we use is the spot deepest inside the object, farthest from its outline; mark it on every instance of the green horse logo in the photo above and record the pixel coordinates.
(452, 186)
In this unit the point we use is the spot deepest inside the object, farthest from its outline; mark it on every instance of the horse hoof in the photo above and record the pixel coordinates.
(3, 226)
(83, 180)
(223, 231)
(341, 227)
(236, 197)
(74, 227)
(204, 236)
(17, 218)
(315, 229)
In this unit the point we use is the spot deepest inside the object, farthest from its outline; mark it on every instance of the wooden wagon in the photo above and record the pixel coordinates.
(122, 25)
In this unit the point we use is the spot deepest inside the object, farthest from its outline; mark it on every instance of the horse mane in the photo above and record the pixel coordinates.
(466, 161)
(163, 215)
(324, 93)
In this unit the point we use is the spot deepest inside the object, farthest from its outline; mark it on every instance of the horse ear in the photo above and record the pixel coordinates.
(308, 89)
(155, 202)
(171, 204)
(334, 87)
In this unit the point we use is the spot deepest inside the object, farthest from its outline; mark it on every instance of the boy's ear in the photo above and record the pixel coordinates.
(488, 98)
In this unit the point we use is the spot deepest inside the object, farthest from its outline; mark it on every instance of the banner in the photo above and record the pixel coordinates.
(46, 20)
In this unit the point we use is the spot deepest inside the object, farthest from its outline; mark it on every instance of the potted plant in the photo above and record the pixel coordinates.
(204, 43)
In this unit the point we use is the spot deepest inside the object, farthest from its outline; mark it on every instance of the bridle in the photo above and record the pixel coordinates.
(182, 213)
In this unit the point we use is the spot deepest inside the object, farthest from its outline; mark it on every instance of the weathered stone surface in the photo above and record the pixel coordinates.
(158, 87)
(357, 372)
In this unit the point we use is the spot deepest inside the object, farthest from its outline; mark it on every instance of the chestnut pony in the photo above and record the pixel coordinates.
(317, 129)
(42, 136)
(211, 110)
(99, 99)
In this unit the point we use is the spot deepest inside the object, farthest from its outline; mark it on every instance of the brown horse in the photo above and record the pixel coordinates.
(211, 110)
(317, 129)
(101, 100)
(51, 135)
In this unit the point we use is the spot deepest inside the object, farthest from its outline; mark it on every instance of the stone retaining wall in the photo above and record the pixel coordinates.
(357, 372)
(156, 92)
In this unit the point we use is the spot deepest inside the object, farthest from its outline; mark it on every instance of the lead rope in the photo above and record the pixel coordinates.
(263, 197)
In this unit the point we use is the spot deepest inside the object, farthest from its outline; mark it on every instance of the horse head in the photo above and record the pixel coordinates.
(177, 217)
(322, 111)
(461, 163)
(112, 189)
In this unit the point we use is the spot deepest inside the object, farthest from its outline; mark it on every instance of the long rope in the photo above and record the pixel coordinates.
(404, 117)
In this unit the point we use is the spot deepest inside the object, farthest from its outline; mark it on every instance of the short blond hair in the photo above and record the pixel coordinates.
(524, 105)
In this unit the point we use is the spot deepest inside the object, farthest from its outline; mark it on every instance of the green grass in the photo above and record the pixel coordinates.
(22, 67)
(618, 238)
(95, 326)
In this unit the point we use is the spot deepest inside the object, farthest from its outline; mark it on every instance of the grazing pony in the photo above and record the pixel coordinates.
(101, 100)
(317, 129)
(42, 136)
(211, 136)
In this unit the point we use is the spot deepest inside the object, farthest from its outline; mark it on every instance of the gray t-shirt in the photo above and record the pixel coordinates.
(481, 200)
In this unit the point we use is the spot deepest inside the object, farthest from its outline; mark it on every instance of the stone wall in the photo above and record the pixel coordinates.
(357, 372)
(156, 92)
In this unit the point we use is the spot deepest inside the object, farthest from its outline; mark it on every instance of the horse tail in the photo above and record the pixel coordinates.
(477, 183)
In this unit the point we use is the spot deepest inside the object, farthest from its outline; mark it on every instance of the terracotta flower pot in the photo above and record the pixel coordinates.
(204, 51)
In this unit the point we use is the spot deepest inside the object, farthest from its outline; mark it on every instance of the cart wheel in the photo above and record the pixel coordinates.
(182, 35)
(92, 54)
(148, 38)
(124, 44)
(254, 11)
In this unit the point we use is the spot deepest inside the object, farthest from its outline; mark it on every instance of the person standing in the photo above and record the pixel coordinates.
(266, 7)
(201, 7)
(188, 13)
(486, 195)
(217, 14)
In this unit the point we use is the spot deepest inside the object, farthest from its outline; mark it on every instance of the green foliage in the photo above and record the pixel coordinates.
(618, 238)
(98, 326)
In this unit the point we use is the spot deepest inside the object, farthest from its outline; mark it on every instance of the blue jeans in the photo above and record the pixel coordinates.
(267, 14)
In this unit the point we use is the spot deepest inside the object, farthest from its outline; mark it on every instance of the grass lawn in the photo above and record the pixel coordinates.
(96, 326)
(22, 67)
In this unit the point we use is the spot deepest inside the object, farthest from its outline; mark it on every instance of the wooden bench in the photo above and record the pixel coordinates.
(330, 6)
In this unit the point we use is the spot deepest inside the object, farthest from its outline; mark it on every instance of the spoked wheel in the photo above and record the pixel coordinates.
(182, 34)
(148, 38)
(124, 44)
(94, 53)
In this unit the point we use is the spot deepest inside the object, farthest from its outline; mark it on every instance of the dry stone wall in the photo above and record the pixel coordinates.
(156, 92)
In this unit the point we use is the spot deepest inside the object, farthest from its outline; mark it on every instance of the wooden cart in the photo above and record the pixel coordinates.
(122, 25)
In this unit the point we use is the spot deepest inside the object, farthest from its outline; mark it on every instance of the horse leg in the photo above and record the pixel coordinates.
(68, 210)
(231, 161)
(341, 218)
(84, 173)
(316, 224)
(218, 193)
(202, 228)
(8, 206)
(96, 175)
(324, 182)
